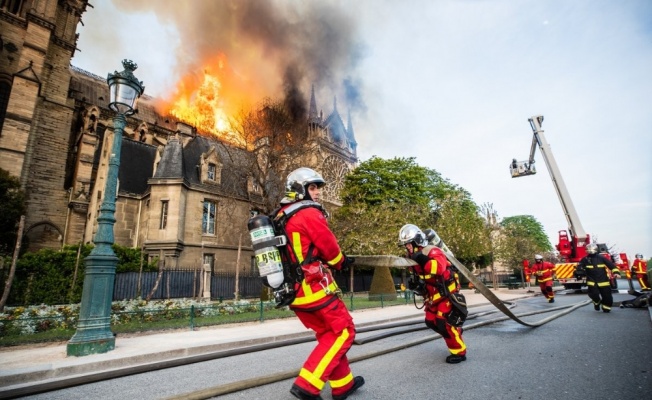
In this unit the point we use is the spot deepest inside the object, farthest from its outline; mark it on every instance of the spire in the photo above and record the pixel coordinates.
(335, 104)
(312, 112)
(349, 125)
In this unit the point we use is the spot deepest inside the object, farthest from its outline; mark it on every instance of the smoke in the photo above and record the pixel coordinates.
(274, 47)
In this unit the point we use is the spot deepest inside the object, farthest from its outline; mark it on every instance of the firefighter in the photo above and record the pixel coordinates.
(429, 275)
(597, 277)
(527, 272)
(639, 269)
(317, 304)
(544, 271)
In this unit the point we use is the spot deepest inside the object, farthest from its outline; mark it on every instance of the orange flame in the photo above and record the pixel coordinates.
(210, 100)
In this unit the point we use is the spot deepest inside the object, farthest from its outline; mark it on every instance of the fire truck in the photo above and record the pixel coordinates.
(572, 242)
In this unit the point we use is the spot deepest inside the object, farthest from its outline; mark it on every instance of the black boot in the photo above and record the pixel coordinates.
(596, 307)
(455, 359)
(551, 300)
(302, 394)
(358, 381)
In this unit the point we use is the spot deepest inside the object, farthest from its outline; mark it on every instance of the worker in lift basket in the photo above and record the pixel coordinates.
(597, 279)
(544, 271)
(639, 269)
(317, 304)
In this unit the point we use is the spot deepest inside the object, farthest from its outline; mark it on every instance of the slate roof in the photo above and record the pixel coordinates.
(136, 166)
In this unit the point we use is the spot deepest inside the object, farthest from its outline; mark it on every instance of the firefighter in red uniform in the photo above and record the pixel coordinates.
(639, 269)
(431, 269)
(317, 304)
(544, 271)
(527, 272)
(595, 266)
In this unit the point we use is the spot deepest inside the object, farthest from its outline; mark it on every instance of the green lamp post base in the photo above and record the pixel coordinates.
(90, 346)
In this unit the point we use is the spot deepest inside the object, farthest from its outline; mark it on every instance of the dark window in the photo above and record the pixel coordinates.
(5, 90)
(211, 172)
(164, 214)
(12, 6)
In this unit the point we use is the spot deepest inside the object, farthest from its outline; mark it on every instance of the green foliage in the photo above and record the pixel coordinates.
(381, 195)
(12, 206)
(519, 238)
(48, 276)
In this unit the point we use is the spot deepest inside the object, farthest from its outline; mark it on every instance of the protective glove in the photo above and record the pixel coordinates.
(347, 263)
(420, 258)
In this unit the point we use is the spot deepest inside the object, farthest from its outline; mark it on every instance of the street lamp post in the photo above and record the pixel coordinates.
(93, 333)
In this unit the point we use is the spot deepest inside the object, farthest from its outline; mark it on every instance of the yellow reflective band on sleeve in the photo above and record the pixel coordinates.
(342, 382)
(335, 260)
(309, 296)
(296, 246)
(424, 277)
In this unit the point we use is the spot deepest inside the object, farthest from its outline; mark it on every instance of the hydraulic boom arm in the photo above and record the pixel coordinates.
(524, 168)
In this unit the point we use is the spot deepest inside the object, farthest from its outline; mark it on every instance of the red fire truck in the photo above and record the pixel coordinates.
(572, 242)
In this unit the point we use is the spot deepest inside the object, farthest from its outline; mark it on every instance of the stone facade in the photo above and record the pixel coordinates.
(183, 195)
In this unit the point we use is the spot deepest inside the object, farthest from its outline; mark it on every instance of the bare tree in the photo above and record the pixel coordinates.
(12, 270)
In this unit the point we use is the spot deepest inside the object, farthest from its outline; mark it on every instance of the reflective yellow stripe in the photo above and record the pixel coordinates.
(335, 260)
(342, 382)
(309, 296)
(603, 284)
(313, 377)
(458, 339)
(296, 246)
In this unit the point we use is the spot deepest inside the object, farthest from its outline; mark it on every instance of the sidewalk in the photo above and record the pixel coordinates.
(27, 365)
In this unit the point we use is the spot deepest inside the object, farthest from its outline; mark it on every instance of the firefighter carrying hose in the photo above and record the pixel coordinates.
(544, 271)
(433, 278)
(597, 278)
(639, 269)
(317, 304)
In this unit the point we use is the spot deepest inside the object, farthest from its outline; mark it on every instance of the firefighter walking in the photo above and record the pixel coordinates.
(317, 304)
(639, 269)
(432, 278)
(595, 267)
(544, 271)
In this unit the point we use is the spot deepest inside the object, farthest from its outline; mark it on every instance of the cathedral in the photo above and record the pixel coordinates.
(184, 195)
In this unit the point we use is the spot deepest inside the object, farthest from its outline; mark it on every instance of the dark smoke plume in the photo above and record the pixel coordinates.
(284, 46)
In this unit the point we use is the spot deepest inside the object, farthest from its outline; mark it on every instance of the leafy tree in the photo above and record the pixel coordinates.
(12, 206)
(519, 238)
(382, 195)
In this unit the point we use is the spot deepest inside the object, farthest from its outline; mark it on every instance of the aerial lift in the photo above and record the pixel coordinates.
(571, 245)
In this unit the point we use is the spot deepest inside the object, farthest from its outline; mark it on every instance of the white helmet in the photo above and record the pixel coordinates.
(538, 257)
(411, 234)
(639, 256)
(297, 183)
(592, 248)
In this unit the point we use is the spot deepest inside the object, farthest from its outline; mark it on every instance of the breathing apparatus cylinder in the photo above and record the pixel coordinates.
(268, 258)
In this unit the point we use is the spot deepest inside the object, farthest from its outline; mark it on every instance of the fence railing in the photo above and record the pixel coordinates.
(30, 326)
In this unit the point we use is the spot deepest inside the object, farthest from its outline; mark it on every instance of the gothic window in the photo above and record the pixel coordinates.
(211, 172)
(334, 170)
(5, 90)
(208, 218)
(12, 6)
(164, 214)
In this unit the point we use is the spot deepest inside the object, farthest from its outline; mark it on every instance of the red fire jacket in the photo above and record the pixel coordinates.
(543, 270)
(305, 229)
(433, 271)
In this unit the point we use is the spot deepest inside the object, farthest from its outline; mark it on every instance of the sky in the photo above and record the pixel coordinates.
(450, 83)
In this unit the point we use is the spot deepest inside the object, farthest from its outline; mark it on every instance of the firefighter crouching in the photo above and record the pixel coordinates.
(431, 273)
(317, 304)
(544, 271)
(597, 278)
(639, 269)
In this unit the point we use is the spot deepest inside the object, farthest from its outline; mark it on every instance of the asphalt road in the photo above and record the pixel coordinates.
(584, 354)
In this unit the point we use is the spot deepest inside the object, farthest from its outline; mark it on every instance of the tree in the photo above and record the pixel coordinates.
(382, 195)
(12, 206)
(520, 237)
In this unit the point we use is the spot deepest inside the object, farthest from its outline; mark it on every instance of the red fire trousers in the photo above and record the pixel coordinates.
(436, 320)
(334, 330)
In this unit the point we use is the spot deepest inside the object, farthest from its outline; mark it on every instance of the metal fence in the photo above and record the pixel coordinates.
(188, 284)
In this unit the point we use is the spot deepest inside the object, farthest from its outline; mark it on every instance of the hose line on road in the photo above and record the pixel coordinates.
(281, 376)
